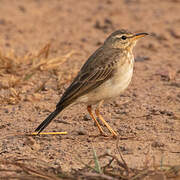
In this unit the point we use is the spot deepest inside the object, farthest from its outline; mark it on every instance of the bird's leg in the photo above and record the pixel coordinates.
(95, 120)
(104, 122)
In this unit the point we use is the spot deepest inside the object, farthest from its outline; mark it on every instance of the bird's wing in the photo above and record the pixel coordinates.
(97, 69)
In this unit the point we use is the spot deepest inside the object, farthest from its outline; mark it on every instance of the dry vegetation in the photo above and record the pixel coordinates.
(116, 168)
(17, 72)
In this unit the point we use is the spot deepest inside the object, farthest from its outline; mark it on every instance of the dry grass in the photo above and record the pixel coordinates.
(17, 72)
(115, 169)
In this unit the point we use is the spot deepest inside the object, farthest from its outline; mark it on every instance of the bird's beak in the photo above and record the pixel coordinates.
(138, 35)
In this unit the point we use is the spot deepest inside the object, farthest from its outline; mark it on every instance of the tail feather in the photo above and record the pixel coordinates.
(46, 122)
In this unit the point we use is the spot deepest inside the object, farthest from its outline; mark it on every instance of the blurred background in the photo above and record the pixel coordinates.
(44, 43)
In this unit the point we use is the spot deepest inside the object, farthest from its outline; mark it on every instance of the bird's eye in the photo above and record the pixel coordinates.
(123, 37)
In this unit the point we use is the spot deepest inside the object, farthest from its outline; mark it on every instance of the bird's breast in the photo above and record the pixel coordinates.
(122, 76)
(114, 86)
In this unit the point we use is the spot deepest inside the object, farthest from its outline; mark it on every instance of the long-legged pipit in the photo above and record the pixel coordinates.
(105, 75)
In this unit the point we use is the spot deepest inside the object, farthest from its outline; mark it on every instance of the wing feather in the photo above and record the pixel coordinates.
(98, 68)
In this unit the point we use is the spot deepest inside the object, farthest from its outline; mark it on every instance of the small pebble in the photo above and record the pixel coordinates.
(139, 127)
(6, 110)
(81, 131)
(157, 144)
(87, 117)
(126, 150)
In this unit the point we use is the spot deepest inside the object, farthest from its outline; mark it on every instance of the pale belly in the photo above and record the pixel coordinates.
(111, 88)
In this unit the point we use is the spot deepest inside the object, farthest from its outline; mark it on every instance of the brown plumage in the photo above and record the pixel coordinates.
(106, 73)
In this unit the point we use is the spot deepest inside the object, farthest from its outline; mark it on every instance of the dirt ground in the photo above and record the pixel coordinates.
(146, 115)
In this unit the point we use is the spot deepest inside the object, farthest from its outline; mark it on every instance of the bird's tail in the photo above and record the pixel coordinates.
(45, 123)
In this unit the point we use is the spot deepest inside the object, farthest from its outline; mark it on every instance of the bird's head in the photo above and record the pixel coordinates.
(123, 39)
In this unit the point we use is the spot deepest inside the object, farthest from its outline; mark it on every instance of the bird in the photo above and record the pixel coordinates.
(105, 75)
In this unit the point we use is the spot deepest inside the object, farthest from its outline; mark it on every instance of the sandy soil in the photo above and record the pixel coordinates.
(146, 115)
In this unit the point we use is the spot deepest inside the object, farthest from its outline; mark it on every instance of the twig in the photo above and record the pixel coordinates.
(99, 176)
(119, 151)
